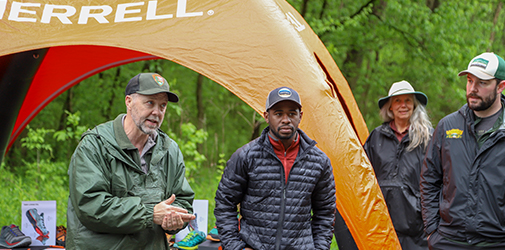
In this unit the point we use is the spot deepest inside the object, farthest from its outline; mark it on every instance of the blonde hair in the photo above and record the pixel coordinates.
(420, 125)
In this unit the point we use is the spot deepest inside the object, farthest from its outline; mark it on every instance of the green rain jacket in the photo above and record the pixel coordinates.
(111, 200)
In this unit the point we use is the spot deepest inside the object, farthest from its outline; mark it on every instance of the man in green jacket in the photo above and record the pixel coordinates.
(126, 177)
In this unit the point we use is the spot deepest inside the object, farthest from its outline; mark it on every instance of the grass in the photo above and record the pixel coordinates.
(204, 184)
(45, 182)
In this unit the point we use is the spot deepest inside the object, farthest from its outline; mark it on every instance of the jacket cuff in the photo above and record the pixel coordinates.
(149, 215)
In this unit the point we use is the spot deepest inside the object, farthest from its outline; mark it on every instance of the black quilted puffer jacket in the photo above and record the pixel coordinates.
(276, 214)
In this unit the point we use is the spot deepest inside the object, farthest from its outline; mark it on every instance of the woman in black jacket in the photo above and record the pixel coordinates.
(396, 151)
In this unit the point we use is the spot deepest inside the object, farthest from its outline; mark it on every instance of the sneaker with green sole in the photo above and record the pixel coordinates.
(191, 241)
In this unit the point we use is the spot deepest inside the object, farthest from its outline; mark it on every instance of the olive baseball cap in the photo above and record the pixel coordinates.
(150, 84)
(486, 66)
(282, 94)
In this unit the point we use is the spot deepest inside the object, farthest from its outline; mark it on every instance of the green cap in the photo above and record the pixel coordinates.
(150, 84)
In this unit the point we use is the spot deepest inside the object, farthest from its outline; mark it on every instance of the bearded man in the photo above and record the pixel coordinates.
(127, 185)
(462, 179)
(283, 183)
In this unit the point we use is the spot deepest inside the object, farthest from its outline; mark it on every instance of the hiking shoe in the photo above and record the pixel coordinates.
(37, 222)
(213, 235)
(61, 235)
(191, 241)
(11, 237)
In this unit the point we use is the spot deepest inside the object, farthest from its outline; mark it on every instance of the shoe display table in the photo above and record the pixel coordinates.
(33, 248)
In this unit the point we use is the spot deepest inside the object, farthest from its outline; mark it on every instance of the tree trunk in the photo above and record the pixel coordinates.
(199, 108)
(67, 105)
(495, 20)
(304, 8)
(378, 7)
(432, 4)
(256, 130)
(351, 66)
(107, 113)
(323, 7)
(355, 56)
(199, 103)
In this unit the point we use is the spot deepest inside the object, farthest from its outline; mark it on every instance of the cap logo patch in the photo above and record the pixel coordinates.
(479, 62)
(454, 133)
(284, 93)
(159, 79)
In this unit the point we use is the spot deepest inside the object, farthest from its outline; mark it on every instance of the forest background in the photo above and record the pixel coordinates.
(374, 43)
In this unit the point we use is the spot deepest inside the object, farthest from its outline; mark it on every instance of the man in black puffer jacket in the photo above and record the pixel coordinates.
(283, 183)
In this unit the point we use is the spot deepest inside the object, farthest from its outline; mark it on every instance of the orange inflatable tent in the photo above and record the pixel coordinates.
(249, 47)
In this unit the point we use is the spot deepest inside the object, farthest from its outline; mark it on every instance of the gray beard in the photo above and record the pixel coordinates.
(146, 131)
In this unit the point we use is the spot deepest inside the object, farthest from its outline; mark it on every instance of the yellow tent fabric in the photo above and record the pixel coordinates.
(249, 47)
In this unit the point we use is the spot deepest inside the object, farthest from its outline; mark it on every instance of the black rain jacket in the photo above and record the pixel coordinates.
(398, 172)
(276, 214)
(462, 185)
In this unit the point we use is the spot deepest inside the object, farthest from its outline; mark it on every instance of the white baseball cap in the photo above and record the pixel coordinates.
(486, 66)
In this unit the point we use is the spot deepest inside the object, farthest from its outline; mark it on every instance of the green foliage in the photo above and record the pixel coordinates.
(73, 131)
(204, 185)
(43, 181)
(35, 140)
(188, 142)
(377, 43)
(40, 179)
(221, 164)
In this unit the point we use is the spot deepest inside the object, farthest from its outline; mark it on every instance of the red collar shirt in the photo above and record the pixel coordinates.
(287, 156)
